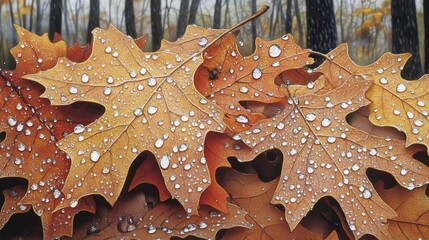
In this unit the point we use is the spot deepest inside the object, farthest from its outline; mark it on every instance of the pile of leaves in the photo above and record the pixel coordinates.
(196, 139)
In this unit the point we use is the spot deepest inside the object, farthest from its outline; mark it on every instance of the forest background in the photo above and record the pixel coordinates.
(366, 25)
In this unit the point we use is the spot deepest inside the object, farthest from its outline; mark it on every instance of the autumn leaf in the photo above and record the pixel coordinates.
(412, 208)
(397, 102)
(253, 195)
(151, 104)
(28, 149)
(164, 221)
(227, 78)
(325, 156)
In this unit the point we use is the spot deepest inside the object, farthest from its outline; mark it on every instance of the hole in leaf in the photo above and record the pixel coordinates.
(296, 76)
(243, 167)
(2, 136)
(422, 157)
(269, 110)
(268, 165)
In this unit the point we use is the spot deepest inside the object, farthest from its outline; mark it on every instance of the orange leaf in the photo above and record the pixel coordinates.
(325, 156)
(228, 79)
(151, 104)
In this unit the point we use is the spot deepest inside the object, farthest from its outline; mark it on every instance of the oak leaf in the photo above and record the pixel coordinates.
(412, 208)
(325, 156)
(28, 149)
(151, 104)
(228, 79)
(397, 102)
(253, 195)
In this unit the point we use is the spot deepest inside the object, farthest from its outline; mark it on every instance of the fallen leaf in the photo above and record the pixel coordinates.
(412, 208)
(151, 104)
(253, 195)
(397, 102)
(325, 156)
(229, 79)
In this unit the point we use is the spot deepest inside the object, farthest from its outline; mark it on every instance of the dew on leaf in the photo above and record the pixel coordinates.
(401, 88)
(138, 112)
(73, 203)
(202, 41)
(244, 89)
(85, 78)
(242, 119)
(383, 80)
(79, 128)
(73, 90)
(159, 142)
(165, 162)
(11, 121)
(107, 91)
(257, 73)
(152, 110)
(367, 194)
(310, 117)
(274, 50)
(95, 156)
(151, 82)
(108, 49)
(326, 122)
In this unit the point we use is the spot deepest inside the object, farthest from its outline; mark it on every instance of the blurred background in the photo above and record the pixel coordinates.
(370, 27)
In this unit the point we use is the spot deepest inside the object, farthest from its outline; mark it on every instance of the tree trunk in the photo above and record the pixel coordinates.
(299, 23)
(253, 25)
(182, 20)
(55, 18)
(321, 28)
(155, 17)
(38, 17)
(217, 14)
(129, 18)
(94, 18)
(405, 37)
(193, 11)
(426, 20)
(288, 22)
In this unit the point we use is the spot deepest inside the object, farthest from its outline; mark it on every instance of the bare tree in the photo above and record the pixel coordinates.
(321, 28)
(299, 22)
(129, 18)
(193, 11)
(94, 18)
(253, 25)
(217, 14)
(405, 37)
(55, 18)
(182, 20)
(288, 18)
(426, 20)
(38, 17)
(155, 15)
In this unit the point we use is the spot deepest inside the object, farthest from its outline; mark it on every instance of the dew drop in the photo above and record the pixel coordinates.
(73, 203)
(367, 194)
(274, 50)
(95, 156)
(85, 78)
(404, 172)
(11, 121)
(421, 103)
(159, 142)
(79, 128)
(73, 90)
(355, 167)
(143, 71)
(202, 225)
(418, 123)
(244, 89)
(107, 90)
(331, 139)
(108, 50)
(133, 74)
(293, 151)
(310, 170)
(165, 162)
(380, 70)
(151, 82)
(401, 88)
(187, 166)
(310, 117)
(280, 126)
(202, 41)
(242, 119)
(57, 193)
(257, 73)
(326, 122)
(152, 110)
(383, 80)
(138, 112)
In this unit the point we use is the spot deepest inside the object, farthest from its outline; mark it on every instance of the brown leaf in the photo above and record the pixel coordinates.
(325, 156)
(151, 104)
(253, 195)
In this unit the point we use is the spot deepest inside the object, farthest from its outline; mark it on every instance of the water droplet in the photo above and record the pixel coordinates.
(151, 82)
(355, 167)
(73, 90)
(165, 162)
(110, 80)
(418, 122)
(79, 128)
(274, 50)
(404, 172)
(202, 41)
(310, 170)
(257, 73)
(187, 166)
(108, 50)
(138, 112)
(242, 119)
(410, 115)
(133, 74)
(11, 121)
(159, 142)
(331, 139)
(280, 125)
(95, 156)
(310, 117)
(401, 88)
(143, 71)
(380, 70)
(85, 78)
(115, 54)
(326, 122)
(151, 229)
(183, 147)
(57, 193)
(383, 80)
(73, 203)
(421, 103)
(293, 151)
(367, 194)
(105, 170)
(107, 90)
(244, 89)
(202, 225)
(152, 109)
